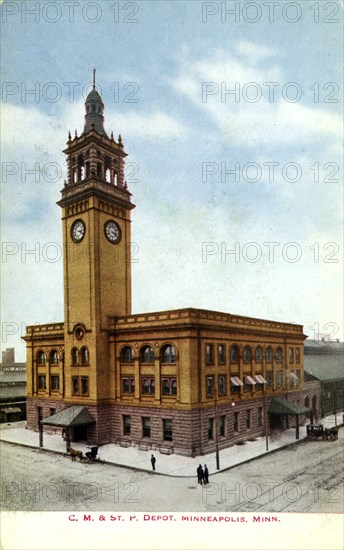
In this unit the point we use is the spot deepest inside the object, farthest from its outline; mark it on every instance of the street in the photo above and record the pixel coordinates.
(307, 477)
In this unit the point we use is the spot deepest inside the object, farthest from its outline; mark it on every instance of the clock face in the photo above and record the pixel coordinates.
(78, 231)
(112, 232)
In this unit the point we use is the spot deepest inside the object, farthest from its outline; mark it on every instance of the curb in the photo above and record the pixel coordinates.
(138, 469)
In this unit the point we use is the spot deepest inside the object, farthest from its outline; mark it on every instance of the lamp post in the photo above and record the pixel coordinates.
(217, 452)
(334, 407)
(266, 419)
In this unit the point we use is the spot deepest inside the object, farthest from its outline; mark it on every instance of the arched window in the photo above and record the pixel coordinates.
(234, 354)
(259, 355)
(84, 356)
(127, 355)
(53, 357)
(247, 355)
(307, 401)
(278, 355)
(168, 354)
(268, 355)
(75, 356)
(147, 355)
(40, 358)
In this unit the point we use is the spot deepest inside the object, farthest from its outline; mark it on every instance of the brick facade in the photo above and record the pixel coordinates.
(174, 367)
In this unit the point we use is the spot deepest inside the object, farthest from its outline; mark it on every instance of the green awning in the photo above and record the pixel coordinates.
(73, 416)
(284, 406)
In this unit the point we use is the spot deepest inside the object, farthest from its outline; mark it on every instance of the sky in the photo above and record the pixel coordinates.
(230, 113)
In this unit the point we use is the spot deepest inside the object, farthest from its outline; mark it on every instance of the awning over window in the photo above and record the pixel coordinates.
(235, 381)
(249, 380)
(294, 376)
(260, 379)
(73, 416)
(282, 406)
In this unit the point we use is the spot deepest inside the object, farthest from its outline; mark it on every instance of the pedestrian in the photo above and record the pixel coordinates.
(200, 474)
(153, 461)
(206, 475)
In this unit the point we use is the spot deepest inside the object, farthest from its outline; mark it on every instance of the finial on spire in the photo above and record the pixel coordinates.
(94, 79)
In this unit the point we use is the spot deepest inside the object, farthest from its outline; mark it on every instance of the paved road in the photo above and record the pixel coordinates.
(307, 477)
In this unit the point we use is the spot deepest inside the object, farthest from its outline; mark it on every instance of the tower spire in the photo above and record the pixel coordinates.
(94, 107)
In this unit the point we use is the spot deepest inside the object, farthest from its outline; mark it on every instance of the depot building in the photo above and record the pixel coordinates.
(179, 381)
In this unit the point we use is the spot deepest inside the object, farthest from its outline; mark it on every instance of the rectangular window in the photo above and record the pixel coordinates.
(222, 426)
(248, 419)
(236, 422)
(222, 384)
(278, 379)
(42, 384)
(249, 383)
(167, 429)
(235, 384)
(210, 428)
(209, 354)
(55, 383)
(169, 386)
(75, 385)
(291, 355)
(126, 424)
(260, 416)
(146, 430)
(148, 386)
(128, 385)
(259, 384)
(52, 411)
(268, 378)
(84, 385)
(210, 386)
(297, 355)
(221, 354)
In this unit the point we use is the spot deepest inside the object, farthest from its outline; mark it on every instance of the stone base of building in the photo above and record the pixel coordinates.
(193, 431)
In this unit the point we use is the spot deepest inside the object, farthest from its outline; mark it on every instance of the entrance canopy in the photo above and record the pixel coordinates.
(282, 406)
(72, 416)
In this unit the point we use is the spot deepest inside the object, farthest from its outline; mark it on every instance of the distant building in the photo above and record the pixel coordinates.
(324, 361)
(185, 380)
(12, 388)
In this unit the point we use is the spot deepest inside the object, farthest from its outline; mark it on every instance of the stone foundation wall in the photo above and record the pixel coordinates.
(190, 429)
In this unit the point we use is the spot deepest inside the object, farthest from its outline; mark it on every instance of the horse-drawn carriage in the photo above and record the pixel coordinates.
(316, 431)
(90, 456)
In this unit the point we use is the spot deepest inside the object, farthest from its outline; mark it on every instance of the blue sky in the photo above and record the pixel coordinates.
(163, 73)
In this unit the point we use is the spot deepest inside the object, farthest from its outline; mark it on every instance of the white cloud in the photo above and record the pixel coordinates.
(157, 125)
(271, 120)
(254, 51)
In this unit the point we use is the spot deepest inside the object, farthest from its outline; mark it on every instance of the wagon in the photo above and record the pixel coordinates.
(314, 431)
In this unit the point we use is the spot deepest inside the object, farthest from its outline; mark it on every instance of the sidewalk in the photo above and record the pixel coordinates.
(173, 465)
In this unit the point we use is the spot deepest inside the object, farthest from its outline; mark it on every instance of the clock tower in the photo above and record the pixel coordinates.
(96, 210)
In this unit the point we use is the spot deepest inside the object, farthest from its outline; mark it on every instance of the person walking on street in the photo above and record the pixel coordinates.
(153, 461)
(200, 475)
(206, 475)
